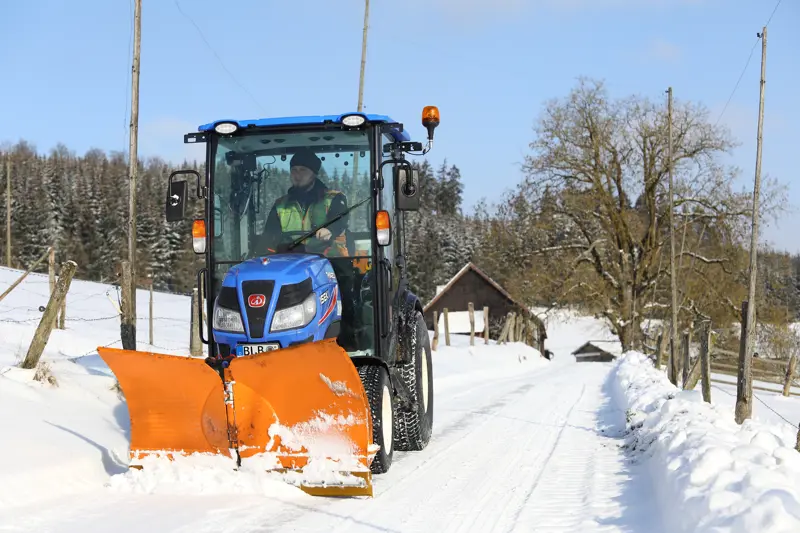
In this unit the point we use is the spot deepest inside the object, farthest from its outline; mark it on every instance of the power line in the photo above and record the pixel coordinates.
(202, 36)
(747, 64)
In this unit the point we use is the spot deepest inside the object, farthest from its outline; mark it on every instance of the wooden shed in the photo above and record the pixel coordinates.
(598, 351)
(471, 284)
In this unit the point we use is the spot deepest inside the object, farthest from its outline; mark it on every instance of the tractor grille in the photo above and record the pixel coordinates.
(257, 316)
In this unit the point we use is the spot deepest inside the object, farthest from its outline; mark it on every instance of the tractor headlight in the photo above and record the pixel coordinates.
(228, 320)
(297, 316)
(353, 121)
(226, 128)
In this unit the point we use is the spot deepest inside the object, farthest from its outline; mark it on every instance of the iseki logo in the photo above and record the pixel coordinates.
(256, 300)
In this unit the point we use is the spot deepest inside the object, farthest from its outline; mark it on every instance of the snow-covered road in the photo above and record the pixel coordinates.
(533, 450)
(519, 444)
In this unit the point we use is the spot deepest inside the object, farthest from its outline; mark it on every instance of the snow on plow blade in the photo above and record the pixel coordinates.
(301, 411)
(306, 407)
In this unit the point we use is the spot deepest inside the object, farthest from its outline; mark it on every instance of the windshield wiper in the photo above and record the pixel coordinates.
(331, 221)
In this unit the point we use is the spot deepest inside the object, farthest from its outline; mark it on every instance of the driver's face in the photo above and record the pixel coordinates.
(302, 176)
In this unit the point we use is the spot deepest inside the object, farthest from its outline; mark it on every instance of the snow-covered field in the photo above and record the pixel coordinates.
(519, 444)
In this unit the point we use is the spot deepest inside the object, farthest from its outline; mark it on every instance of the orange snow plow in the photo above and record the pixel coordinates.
(301, 411)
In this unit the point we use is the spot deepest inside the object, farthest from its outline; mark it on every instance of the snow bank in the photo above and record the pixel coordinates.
(711, 474)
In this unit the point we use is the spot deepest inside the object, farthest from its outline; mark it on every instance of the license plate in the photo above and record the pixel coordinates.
(254, 349)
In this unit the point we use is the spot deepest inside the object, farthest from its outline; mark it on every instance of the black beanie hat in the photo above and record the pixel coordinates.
(306, 158)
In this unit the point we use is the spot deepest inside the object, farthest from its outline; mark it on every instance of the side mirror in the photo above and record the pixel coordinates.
(177, 193)
(176, 200)
(406, 188)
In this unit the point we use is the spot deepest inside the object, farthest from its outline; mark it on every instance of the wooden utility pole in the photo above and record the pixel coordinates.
(705, 361)
(363, 57)
(360, 106)
(128, 328)
(744, 389)
(673, 348)
(8, 211)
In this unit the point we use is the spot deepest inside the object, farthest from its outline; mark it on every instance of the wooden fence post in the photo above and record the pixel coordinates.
(471, 310)
(127, 327)
(51, 277)
(687, 359)
(660, 349)
(446, 327)
(705, 361)
(744, 382)
(504, 332)
(797, 442)
(485, 324)
(62, 316)
(435, 330)
(195, 343)
(48, 318)
(790, 368)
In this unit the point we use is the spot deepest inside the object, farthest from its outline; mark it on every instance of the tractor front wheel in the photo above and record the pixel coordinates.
(414, 426)
(378, 387)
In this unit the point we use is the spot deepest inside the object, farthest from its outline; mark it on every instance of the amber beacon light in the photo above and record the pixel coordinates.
(430, 119)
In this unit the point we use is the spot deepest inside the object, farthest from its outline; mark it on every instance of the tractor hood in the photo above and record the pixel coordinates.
(286, 268)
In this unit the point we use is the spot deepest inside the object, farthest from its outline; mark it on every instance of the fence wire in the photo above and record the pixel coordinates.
(794, 426)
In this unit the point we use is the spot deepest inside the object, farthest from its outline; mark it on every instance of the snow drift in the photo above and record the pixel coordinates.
(711, 474)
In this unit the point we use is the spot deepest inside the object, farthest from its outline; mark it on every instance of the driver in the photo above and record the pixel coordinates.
(308, 204)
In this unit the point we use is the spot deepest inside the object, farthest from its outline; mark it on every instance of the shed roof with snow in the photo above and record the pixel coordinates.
(471, 284)
(603, 351)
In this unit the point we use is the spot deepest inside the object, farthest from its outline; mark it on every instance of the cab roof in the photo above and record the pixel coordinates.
(308, 120)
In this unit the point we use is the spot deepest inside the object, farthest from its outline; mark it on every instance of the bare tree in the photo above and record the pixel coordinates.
(598, 170)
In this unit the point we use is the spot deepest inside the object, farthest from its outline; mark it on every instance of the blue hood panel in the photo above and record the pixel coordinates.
(282, 270)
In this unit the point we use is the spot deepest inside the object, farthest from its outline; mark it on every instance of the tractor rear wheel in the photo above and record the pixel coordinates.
(378, 387)
(414, 427)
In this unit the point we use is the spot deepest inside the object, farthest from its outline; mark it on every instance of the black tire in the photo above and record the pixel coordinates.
(378, 387)
(414, 427)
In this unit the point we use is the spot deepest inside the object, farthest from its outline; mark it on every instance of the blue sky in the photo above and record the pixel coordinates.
(489, 66)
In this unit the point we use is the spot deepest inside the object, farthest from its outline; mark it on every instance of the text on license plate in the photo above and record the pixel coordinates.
(253, 349)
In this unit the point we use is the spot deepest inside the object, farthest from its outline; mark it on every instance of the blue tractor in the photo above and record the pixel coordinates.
(308, 323)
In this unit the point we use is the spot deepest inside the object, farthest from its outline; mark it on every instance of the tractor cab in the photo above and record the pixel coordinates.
(330, 186)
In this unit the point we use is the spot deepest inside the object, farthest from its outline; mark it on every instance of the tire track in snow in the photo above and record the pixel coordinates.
(486, 397)
(470, 467)
(587, 484)
(546, 460)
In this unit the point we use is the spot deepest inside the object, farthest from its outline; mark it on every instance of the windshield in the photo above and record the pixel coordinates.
(270, 189)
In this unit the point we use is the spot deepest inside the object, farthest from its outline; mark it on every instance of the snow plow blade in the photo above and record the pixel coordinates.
(305, 408)
(300, 411)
